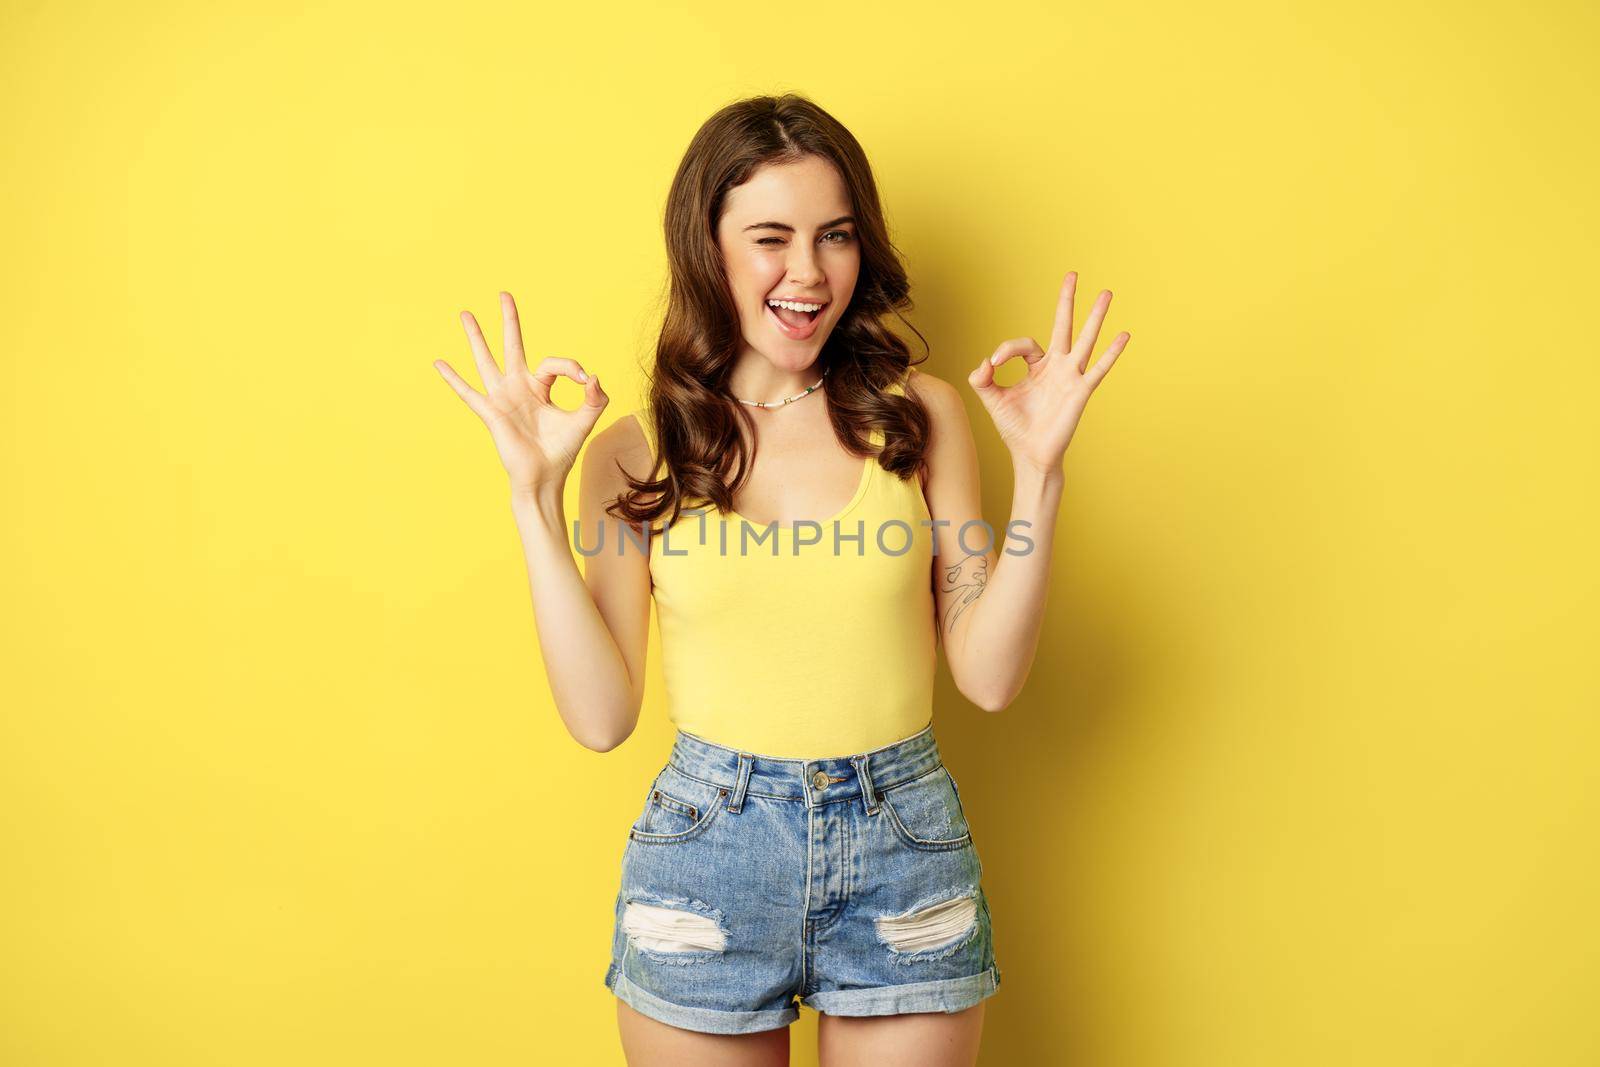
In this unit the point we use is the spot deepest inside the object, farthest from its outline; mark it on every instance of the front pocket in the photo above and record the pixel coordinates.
(677, 809)
(666, 802)
(926, 813)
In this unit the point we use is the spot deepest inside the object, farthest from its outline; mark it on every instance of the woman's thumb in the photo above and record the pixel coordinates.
(982, 378)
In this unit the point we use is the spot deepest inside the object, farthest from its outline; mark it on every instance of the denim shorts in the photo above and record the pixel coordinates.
(850, 884)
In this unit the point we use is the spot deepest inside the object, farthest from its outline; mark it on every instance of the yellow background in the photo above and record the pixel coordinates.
(1305, 771)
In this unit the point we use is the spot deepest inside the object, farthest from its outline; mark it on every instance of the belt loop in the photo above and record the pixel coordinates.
(864, 772)
(736, 801)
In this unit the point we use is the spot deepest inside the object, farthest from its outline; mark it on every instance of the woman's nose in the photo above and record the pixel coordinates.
(804, 268)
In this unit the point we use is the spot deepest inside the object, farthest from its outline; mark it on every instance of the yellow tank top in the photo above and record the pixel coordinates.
(774, 643)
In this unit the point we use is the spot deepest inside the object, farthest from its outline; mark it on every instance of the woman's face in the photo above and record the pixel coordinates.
(787, 233)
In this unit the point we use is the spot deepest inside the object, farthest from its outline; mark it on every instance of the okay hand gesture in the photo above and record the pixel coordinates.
(1036, 417)
(538, 442)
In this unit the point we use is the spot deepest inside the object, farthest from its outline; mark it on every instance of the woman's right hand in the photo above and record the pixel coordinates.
(538, 442)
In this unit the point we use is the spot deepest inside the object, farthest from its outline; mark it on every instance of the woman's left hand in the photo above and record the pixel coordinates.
(1036, 416)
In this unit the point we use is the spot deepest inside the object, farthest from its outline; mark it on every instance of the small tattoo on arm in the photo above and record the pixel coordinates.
(964, 582)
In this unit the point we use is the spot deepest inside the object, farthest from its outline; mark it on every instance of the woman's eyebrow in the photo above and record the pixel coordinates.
(790, 229)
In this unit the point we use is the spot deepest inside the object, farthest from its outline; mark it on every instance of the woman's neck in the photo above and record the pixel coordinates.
(758, 379)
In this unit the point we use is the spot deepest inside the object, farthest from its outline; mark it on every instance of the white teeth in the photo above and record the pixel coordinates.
(794, 305)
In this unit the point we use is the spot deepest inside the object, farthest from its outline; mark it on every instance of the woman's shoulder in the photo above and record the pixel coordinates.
(629, 441)
(935, 394)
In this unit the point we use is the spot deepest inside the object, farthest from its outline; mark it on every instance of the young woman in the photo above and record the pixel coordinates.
(819, 534)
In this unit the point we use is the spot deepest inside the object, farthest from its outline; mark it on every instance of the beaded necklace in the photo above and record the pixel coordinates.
(787, 399)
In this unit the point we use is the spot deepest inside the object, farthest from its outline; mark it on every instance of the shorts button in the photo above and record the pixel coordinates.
(820, 779)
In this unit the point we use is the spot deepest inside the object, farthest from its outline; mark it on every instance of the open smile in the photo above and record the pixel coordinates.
(793, 323)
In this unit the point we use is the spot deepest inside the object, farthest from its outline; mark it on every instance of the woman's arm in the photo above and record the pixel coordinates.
(596, 679)
(990, 591)
(990, 604)
(593, 627)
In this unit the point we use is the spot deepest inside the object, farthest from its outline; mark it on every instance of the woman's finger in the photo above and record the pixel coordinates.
(1102, 366)
(515, 359)
(1091, 329)
(982, 379)
(1026, 347)
(552, 367)
(1061, 332)
(475, 400)
(488, 370)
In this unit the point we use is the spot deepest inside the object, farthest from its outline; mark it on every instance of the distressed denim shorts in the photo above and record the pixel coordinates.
(849, 884)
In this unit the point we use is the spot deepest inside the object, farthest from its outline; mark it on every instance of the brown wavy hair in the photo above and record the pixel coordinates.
(691, 409)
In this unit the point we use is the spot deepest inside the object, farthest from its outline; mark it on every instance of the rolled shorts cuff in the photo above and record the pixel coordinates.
(702, 1020)
(951, 994)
